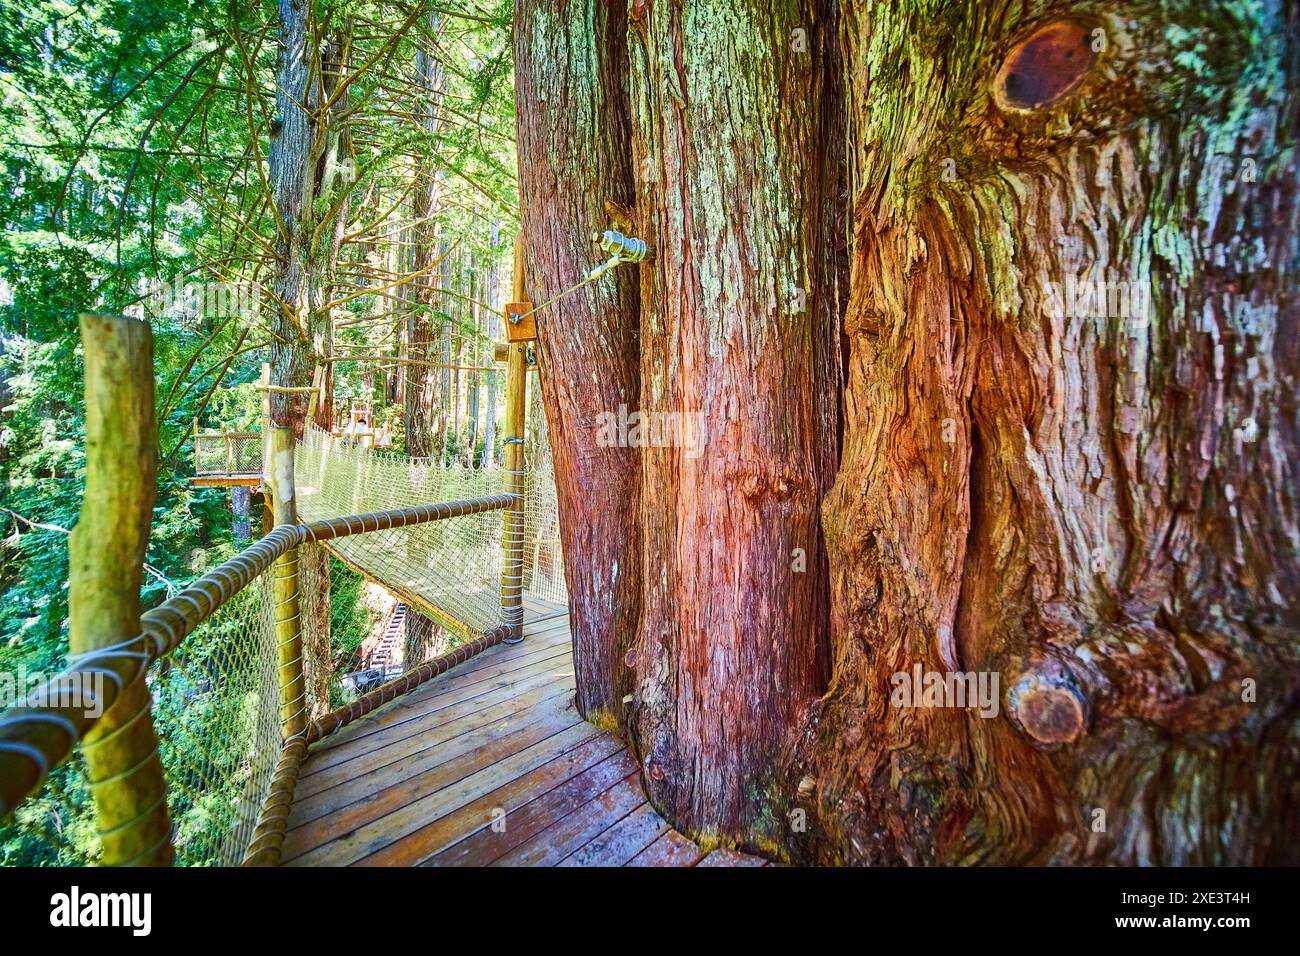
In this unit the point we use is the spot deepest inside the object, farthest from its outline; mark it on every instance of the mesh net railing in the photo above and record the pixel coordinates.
(227, 453)
(449, 571)
(543, 559)
(215, 712)
(216, 709)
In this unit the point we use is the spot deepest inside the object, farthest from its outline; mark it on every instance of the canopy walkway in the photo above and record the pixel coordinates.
(448, 571)
(255, 759)
(488, 764)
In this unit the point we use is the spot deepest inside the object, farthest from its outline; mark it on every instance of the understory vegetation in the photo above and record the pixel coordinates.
(135, 148)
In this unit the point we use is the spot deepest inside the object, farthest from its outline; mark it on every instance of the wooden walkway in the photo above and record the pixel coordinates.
(488, 764)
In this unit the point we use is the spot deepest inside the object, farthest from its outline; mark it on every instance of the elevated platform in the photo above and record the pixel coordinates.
(226, 481)
(488, 764)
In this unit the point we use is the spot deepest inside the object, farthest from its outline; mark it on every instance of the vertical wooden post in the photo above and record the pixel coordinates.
(268, 512)
(196, 447)
(314, 400)
(512, 597)
(106, 568)
(264, 384)
(288, 620)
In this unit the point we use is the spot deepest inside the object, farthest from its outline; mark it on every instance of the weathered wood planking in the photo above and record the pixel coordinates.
(487, 765)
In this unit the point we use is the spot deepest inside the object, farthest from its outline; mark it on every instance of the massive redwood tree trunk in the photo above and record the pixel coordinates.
(738, 156)
(570, 72)
(1067, 484)
(1092, 498)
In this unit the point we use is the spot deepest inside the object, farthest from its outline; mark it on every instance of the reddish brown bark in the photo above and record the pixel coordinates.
(573, 155)
(1100, 510)
(1094, 503)
(736, 132)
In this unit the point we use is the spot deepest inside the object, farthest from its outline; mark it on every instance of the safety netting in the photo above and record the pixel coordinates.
(449, 571)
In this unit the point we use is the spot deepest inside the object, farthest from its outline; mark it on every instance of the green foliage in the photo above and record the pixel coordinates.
(135, 144)
(350, 622)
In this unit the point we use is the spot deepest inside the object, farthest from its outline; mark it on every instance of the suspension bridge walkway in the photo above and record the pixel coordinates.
(213, 730)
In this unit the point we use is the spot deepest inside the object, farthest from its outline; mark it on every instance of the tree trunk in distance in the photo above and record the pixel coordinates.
(570, 71)
(491, 301)
(311, 169)
(240, 527)
(422, 407)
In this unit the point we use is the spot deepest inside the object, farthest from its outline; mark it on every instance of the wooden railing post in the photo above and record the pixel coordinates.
(288, 620)
(512, 537)
(106, 568)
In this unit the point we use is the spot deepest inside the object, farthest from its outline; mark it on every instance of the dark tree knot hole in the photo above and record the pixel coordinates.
(1045, 66)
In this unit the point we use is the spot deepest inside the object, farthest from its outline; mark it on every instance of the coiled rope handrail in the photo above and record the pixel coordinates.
(273, 820)
(36, 739)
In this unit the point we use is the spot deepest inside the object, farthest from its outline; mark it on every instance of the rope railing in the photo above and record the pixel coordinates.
(227, 683)
(37, 738)
(268, 837)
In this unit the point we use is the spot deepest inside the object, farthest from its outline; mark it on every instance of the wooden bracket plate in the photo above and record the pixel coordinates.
(524, 329)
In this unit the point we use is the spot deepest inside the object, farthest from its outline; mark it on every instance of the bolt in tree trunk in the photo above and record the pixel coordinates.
(735, 126)
(1071, 452)
(570, 65)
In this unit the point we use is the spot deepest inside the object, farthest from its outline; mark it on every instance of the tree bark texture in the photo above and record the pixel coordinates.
(422, 407)
(240, 526)
(1094, 502)
(311, 177)
(570, 70)
(737, 149)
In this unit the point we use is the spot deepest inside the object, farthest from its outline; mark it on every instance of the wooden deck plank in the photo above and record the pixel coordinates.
(388, 724)
(423, 771)
(569, 833)
(488, 764)
(415, 720)
(442, 832)
(487, 666)
(397, 791)
(493, 662)
(487, 843)
(488, 669)
(622, 841)
(408, 819)
(437, 736)
(671, 849)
